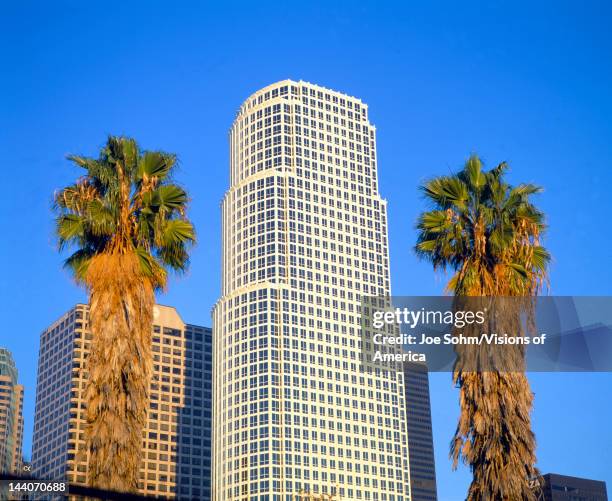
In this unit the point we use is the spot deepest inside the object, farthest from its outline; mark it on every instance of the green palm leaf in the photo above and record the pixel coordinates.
(168, 197)
(177, 231)
(155, 164)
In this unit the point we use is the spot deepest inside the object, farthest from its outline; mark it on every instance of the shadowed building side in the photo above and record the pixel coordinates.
(420, 434)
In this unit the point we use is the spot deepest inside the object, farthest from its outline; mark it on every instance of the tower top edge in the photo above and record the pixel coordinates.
(299, 84)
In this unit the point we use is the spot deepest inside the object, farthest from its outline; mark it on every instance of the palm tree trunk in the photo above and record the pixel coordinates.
(119, 366)
(494, 435)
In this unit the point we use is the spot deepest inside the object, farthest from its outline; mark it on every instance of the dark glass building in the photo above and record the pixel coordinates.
(420, 436)
(564, 488)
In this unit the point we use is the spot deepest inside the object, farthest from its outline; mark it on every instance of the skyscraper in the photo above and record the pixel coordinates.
(420, 433)
(564, 488)
(11, 415)
(176, 441)
(304, 239)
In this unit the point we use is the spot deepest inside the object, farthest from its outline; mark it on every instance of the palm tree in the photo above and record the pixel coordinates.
(488, 234)
(126, 225)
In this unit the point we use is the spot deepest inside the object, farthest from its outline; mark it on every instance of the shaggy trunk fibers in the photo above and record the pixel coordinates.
(500, 445)
(121, 313)
(494, 434)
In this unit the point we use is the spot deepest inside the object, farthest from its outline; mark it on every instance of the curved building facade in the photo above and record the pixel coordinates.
(304, 239)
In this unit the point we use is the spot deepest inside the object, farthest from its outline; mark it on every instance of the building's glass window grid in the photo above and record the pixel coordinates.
(420, 433)
(176, 440)
(11, 415)
(304, 238)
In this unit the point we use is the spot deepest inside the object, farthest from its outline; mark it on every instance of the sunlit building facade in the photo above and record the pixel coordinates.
(176, 440)
(11, 415)
(304, 239)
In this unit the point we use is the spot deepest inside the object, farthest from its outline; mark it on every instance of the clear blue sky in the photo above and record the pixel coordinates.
(530, 83)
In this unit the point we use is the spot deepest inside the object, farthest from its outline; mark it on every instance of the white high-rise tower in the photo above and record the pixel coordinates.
(304, 239)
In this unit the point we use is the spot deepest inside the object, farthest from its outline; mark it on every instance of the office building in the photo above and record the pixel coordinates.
(564, 488)
(11, 415)
(420, 434)
(176, 441)
(304, 240)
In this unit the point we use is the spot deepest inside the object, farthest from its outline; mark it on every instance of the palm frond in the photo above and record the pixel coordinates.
(176, 231)
(70, 229)
(472, 174)
(101, 220)
(175, 256)
(78, 263)
(155, 164)
(168, 197)
(151, 267)
(540, 258)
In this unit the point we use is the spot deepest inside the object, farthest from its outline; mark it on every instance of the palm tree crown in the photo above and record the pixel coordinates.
(486, 231)
(125, 202)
